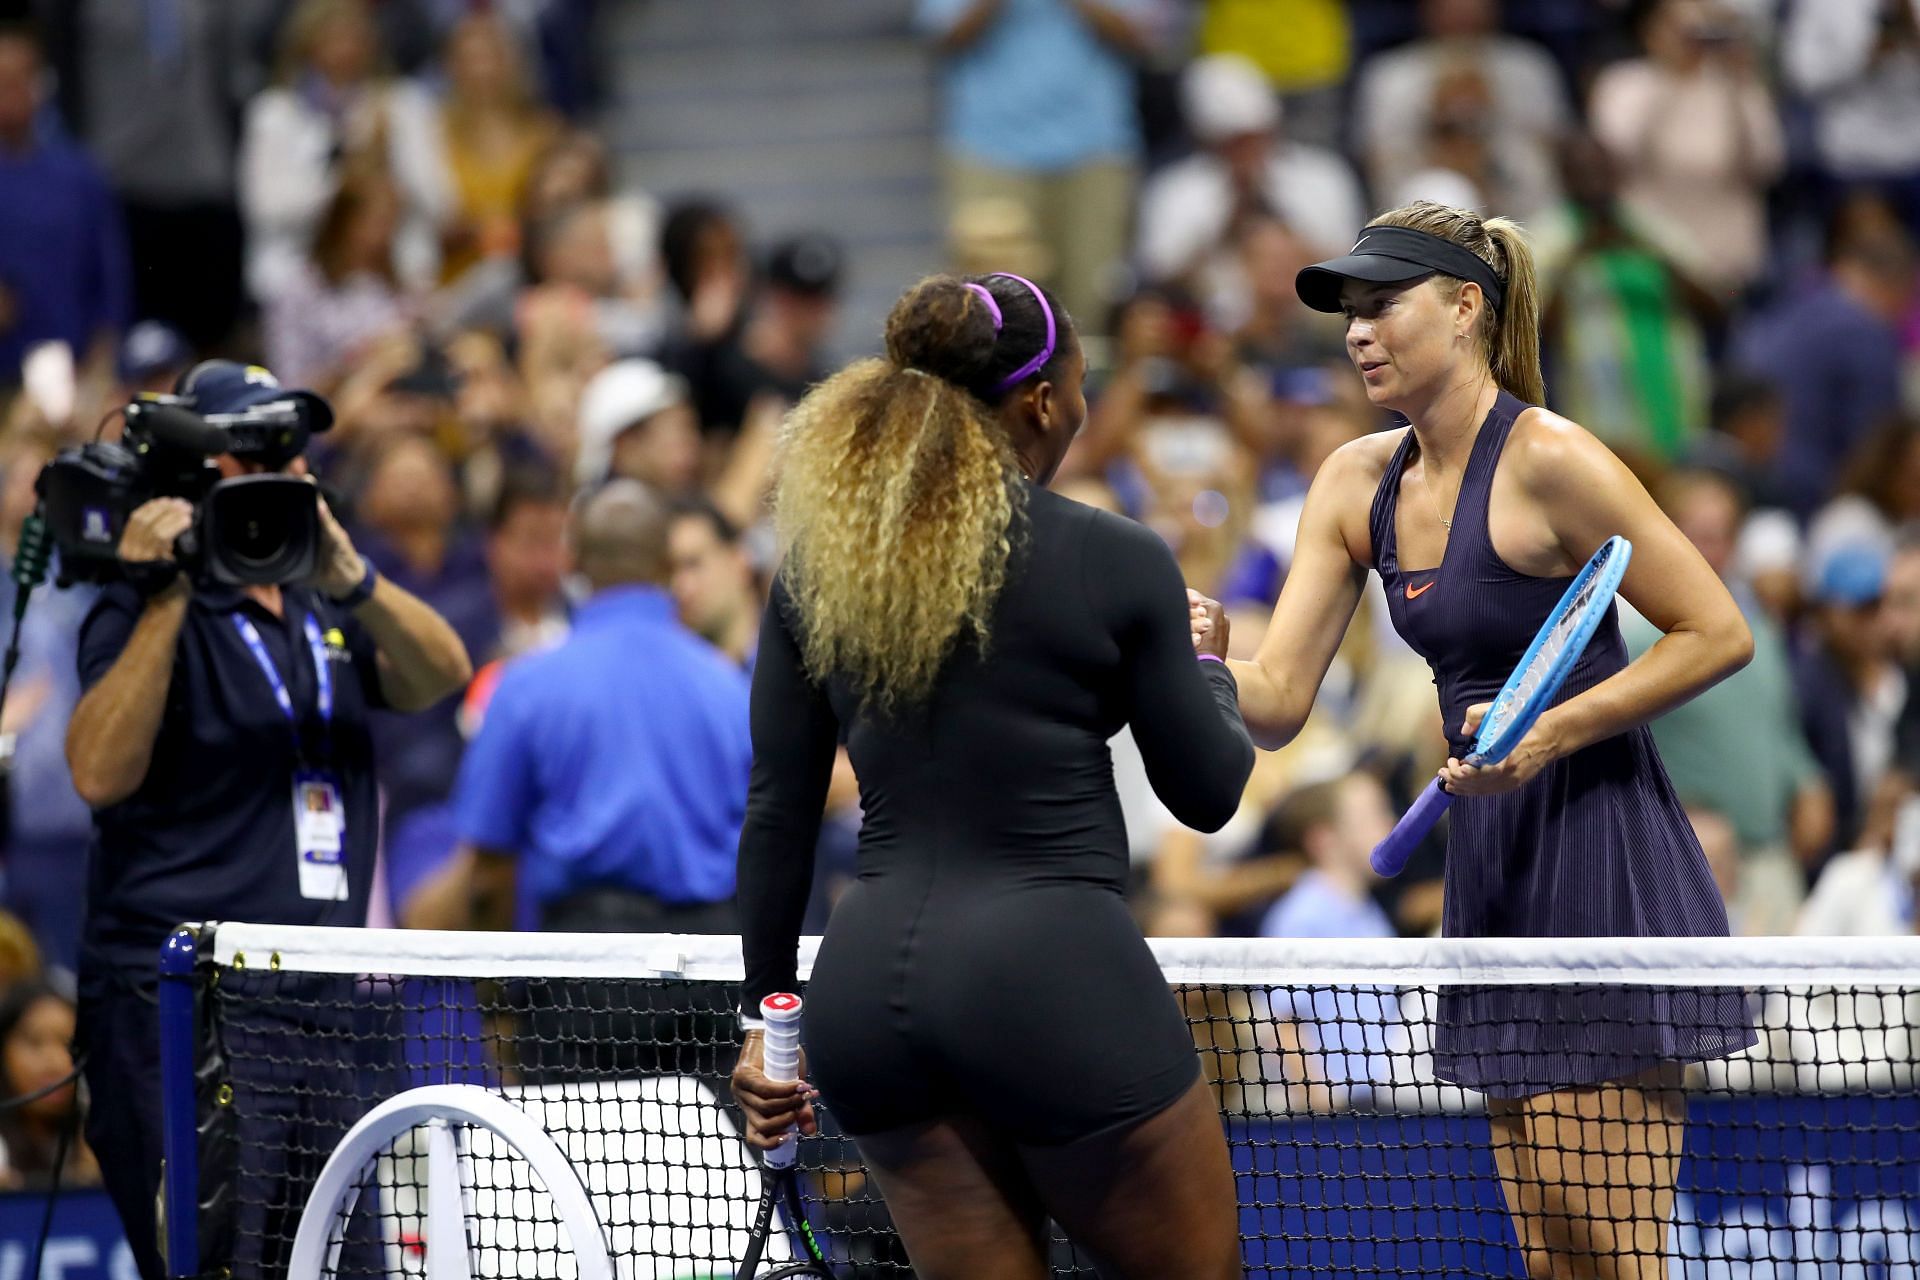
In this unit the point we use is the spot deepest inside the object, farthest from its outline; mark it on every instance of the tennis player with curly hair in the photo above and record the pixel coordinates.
(984, 1017)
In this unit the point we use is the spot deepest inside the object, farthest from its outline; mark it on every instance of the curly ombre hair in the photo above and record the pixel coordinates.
(899, 500)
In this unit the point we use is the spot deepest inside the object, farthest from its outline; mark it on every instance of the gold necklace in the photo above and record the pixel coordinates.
(1426, 482)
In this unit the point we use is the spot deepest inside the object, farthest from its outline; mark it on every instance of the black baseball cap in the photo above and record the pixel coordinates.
(810, 264)
(1391, 255)
(229, 387)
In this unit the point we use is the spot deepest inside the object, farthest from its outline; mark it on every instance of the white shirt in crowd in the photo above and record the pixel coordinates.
(1186, 208)
(1867, 120)
(1394, 112)
(289, 172)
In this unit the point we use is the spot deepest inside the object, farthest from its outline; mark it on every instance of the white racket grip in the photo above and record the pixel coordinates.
(780, 1059)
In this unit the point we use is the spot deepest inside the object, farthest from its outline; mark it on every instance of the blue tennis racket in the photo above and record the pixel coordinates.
(1527, 693)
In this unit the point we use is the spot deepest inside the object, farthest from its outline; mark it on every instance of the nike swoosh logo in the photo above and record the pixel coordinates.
(1412, 594)
(1356, 247)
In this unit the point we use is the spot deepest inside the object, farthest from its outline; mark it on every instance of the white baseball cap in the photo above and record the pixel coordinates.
(1224, 95)
(622, 395)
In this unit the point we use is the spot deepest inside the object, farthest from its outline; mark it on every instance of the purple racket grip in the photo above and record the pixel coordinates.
(1390, 855)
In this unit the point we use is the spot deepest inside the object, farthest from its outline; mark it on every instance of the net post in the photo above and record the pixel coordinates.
(180, 1187)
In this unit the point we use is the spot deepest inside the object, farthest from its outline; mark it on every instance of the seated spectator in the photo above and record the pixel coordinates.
(1697, 137)
(714, 584)
(1272, 332)
(1850, 689)
(1302, 47)
(1721, 847)
(63, 252)
(1879, 491)
(1747, 421)
(346, 294)
(1834, 352)
(1336, 1041)
(1738, 750)
(1525, 107)
(494, 133)
(526, 562)
(36, 1032)
(778, 342)
(1622, 326)
(331, 112)
(1858, 61)
(636, 422)
(1864, 893)
(1192, 210)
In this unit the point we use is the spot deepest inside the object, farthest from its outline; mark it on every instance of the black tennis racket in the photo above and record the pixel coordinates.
(780, 1185)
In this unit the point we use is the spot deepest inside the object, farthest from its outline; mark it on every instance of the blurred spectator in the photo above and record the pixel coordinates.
(19, 955)
(570, 172)
(494, 132)
(636, 422)
(1303, 48)
(1333, 1040)
(612, 791)
(1721, 847)
(1695, 131)
(1902, 610)
(1834, 352)
(1038, 105)
(526, 562)
(152, 357)
(36, 1030)
(1859, 63)
(152, 90)
(408, 526)
(1747, 417)
(1272, 332)
(1879, 492)
(996, 233)
(1850, 690)
(1191, 211)
(346, 293)
(1463, 83)
(63, 252)
(332, 112)
(1621, 324)
(777, 342)
(713, 581)
(1861, 893)
(48, 827)
(1738, 749)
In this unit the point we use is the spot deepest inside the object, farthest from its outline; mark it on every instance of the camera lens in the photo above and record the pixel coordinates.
(261, 529)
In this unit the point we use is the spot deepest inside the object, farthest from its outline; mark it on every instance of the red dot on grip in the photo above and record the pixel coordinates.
(781, 1002)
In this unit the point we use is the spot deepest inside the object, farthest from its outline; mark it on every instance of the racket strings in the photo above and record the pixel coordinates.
(1545, 661)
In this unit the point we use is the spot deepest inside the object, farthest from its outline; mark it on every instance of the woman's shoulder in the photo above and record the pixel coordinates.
(1363, 462)
(1546, 448)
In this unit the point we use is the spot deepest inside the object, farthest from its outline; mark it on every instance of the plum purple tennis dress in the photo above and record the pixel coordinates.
(1596, 845)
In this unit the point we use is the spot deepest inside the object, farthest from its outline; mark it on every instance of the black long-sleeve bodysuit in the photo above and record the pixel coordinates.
(984, 958)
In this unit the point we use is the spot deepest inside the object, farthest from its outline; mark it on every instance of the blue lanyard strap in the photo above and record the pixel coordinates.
(322, 674)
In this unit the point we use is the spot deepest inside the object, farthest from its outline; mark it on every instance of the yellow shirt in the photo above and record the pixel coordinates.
(1299, 44)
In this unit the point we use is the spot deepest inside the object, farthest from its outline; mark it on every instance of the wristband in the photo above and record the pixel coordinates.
(1213, 657)
(752, 1024)
(362, 590)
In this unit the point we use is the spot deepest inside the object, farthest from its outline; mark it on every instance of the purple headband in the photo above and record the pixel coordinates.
(1045, 353)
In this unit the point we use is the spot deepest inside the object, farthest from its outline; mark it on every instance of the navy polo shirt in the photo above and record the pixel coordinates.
(617, 760)
(209, 834)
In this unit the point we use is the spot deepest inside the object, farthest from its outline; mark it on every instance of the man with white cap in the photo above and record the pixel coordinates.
(637, 422)
(1245, 166)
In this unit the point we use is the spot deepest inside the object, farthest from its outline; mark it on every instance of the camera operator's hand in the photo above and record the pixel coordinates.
(152, 528)
(340, 568)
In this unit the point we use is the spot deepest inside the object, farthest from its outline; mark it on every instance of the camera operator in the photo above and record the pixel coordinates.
(222, 743)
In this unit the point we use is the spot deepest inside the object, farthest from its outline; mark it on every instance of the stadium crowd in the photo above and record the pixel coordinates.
(404, 205)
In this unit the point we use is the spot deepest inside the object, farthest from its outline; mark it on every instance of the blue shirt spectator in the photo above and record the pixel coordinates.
(617, 763)
(1834, 352)
(63, 252)
(1039, 88)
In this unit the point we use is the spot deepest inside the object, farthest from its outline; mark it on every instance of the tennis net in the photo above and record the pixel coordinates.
(1383, 1100)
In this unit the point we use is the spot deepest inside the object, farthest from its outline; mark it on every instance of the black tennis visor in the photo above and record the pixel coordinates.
(1390, 255)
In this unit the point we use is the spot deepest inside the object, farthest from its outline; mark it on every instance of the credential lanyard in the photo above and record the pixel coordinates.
(322, 675)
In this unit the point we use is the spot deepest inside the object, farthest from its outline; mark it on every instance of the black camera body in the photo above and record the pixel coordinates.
(252, 530)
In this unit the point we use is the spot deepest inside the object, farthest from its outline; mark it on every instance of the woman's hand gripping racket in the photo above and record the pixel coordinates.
(780, 1187)
(1528, 692)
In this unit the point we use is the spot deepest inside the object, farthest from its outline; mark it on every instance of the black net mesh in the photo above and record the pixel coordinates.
(1390, 1131)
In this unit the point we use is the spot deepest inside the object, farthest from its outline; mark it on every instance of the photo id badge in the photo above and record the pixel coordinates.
(319, 832)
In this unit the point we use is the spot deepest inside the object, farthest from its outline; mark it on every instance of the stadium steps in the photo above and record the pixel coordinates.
(807, 116)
